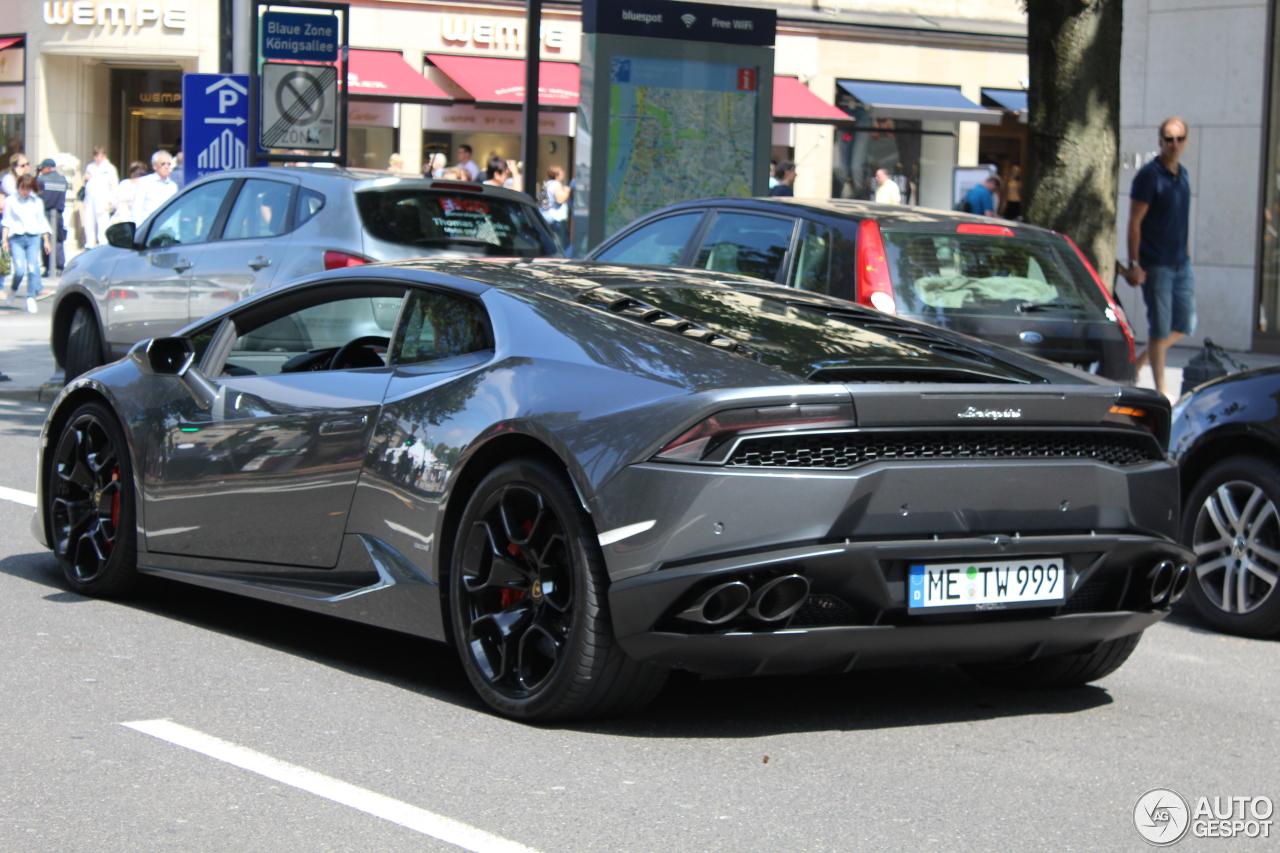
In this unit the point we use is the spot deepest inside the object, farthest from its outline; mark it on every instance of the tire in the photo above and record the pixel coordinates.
(89, 504)
(84, 344)
(1232, 521)
(1072, 670)
(528, 602)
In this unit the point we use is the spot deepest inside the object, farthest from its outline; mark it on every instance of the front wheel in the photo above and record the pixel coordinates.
(1231, 522)
(89, 504)
(1072, 670)
(527, 591)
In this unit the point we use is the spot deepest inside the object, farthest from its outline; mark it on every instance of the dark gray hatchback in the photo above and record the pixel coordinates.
(1009, 283)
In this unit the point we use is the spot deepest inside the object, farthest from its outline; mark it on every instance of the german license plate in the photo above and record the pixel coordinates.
(987, 585)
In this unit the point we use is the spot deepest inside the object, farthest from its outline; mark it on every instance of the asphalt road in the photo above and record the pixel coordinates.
(293, 732)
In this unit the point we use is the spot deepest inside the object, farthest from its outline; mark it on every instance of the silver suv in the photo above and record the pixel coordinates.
(236, 233)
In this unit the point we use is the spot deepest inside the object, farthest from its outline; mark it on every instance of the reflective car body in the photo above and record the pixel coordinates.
(884, 444)
(1010, 283)
(238, 232)
(1225, 438)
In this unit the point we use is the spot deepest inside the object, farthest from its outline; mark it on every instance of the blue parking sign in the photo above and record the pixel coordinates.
(215, 118)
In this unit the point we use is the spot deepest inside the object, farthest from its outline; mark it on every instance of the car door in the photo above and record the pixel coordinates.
(267, 474)
(146, 296)
(249, 250)
(744, 243)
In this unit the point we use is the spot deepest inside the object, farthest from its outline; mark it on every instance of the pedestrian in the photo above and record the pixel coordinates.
(99, 188)
(773, 167)
(557, 210)
(1159, 249)
(887, 189)
(19, 165)
(22, 226)
(465, 162)
(155, 189)
(498, 172)
(53, 186)
(786, 175)
(436, 164)
(1011, 206)
(395, 163)
(127, 193)
(515, 176)
(982, 197)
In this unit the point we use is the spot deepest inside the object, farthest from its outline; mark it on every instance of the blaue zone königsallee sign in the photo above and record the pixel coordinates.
(299, 37)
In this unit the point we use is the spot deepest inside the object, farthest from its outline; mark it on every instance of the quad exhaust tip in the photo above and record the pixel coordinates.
(718, 604)
(1160, 581)
(779, 598)
(1180, 580)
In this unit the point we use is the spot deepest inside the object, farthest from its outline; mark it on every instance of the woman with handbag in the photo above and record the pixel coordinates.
(22, 226)
(97, 193)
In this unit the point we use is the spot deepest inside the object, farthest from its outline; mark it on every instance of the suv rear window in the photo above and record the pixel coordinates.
(464, 223)
(986, 274)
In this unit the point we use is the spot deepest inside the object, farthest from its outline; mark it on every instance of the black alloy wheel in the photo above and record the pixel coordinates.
(1232, 522)
(90, 504)
(527, 598)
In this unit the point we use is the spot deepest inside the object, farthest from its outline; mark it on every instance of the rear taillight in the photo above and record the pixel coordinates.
(1111, 300)
(337, 260)
(874, 285)
(711, 439)
(1132, 416)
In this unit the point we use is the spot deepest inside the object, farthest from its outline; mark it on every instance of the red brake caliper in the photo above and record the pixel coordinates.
(511, 596)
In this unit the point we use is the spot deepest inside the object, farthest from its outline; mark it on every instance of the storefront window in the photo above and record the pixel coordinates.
(918, 155)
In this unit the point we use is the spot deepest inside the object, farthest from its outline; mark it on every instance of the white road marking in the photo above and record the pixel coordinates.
(419, 820)
(18, 496)
(617, 534)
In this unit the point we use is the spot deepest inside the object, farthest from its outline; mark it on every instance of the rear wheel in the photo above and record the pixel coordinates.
(89, 503)
(84, 344)
(1232, 523)
(1057, 670)
(527, 594)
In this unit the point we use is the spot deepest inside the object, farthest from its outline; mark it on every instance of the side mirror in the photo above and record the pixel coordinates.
(174, 357)
(121, 235)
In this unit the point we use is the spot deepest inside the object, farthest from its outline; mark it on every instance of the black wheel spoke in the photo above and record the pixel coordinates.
(539, 651)
(495, 637)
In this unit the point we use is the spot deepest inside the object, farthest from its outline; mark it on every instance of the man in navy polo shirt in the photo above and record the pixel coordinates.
(1159, 254)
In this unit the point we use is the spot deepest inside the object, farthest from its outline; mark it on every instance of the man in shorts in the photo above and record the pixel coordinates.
(1159, 251)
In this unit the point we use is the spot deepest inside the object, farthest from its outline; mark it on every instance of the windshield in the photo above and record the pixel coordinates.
(987, 274)
(457, 223)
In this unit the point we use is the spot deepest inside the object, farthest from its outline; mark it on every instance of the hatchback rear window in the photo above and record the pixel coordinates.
(466, 223)
(987, 274)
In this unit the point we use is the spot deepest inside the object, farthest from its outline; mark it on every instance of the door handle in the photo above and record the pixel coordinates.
(183, 265)
(259, 262)
(337, 426)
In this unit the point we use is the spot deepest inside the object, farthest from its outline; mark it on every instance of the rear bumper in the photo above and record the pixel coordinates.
(841, 649)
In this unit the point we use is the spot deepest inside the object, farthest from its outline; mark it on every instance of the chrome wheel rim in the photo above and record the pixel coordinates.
(86, 498)
(1237, 545)
(516, 590)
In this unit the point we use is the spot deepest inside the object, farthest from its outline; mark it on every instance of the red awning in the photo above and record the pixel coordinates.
(793, 102)
(383, 75)
(501, 81)
(10, 42)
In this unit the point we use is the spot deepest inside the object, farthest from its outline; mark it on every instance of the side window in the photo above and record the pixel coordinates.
(308, 338)
(261, 209)
(308, 205)
(746, 244)
(813, 258)
(436, 325)
(190, 218)
(660, 242)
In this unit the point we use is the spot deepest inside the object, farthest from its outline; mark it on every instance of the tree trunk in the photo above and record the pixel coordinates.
(1073, 163)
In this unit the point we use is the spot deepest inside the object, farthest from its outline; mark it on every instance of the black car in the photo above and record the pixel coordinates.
(1010, 283)
(1226, 440)
(585, 475)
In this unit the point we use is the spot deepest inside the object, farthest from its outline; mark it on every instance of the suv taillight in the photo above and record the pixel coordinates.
(1111, 300)
(337, 260)
(874, 286)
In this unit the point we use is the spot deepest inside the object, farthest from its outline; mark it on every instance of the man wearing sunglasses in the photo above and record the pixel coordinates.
(1159, 250)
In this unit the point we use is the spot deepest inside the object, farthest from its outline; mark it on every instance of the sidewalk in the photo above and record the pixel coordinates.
(1179, 356)
(25, 356)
